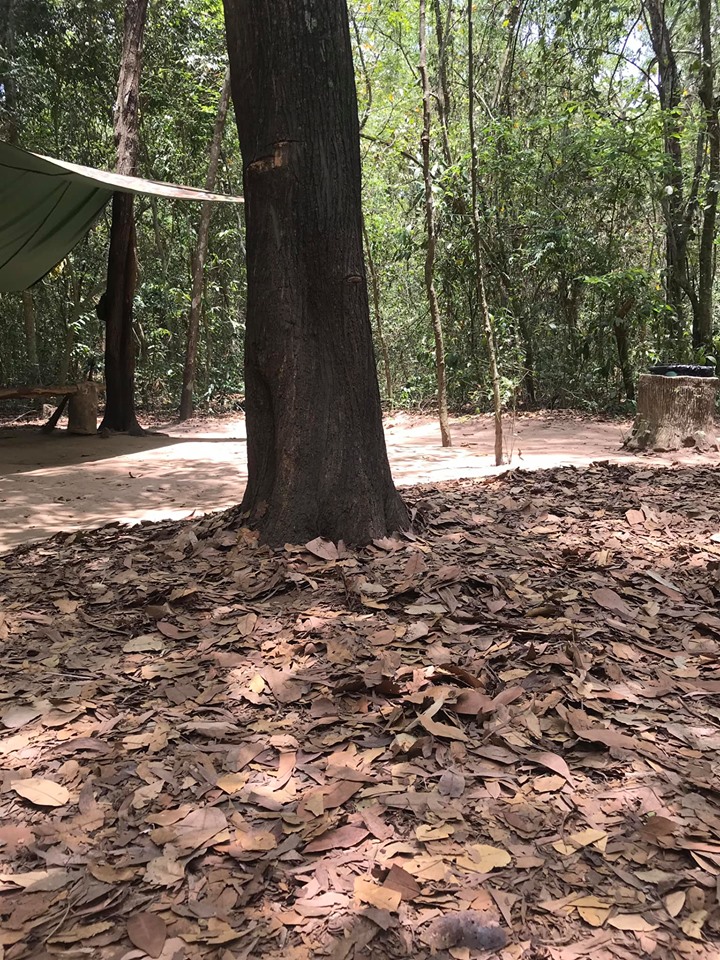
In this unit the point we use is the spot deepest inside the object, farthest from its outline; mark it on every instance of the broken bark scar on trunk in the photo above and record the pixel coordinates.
(279, 158)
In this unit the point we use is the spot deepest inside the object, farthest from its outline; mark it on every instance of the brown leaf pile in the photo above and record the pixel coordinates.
(212, 750)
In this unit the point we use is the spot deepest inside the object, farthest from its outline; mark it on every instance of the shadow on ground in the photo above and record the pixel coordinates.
(56, 483)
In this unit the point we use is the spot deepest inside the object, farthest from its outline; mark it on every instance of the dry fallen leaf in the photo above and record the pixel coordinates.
(632, 921)
(384, 898)
(147, 931)
(146, 643)
(444, 730)
(674, 902)
(692, 926)
(402, 881)
(44, 793)
(613, 602)
(339, 839)
(476, 738)
(15, 717)
(482, 858)
(39, 880)
(325, 549)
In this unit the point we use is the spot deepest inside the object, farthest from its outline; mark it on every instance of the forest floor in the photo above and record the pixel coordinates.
(59, 483)
(510, 715)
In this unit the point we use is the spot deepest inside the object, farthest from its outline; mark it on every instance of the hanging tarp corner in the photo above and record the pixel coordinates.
(47, 206)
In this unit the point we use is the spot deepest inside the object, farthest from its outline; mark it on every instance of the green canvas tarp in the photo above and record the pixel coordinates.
(47, 206)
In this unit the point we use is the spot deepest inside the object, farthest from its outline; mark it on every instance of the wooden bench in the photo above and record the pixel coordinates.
(83, 399)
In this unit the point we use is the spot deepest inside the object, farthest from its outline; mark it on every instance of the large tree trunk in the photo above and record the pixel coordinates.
(317, 463)
(479, 263)
(440, 368)
(122, 258)
(675, 412)
(703, 330)
(198, 263)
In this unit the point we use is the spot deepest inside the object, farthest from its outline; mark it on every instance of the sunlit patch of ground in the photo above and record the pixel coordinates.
(50, 484)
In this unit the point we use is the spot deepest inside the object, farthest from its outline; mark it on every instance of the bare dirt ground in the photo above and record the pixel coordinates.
(59, 483)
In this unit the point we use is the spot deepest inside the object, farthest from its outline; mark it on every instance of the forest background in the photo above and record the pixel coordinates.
(598, 165)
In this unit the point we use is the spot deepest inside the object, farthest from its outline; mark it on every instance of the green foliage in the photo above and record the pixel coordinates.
(572, 168)
(64, 64)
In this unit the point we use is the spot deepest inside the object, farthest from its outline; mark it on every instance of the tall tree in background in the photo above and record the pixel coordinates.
(711, 123)
(477, 247)
(117, 302)
(10, 11)
(198, 261)
(317, 463)
(431, 237)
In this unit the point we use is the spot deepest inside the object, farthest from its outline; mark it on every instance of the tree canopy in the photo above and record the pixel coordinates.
(597, 153)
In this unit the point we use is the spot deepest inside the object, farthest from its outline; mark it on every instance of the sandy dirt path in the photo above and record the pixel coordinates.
(64, 483)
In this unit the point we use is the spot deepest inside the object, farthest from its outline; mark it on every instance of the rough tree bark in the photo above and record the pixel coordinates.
(198, 262)
(675, 412)
(676, 211)
(703, 330)
(479, 264)
(317, 463)
(432, 239)
(117, 307)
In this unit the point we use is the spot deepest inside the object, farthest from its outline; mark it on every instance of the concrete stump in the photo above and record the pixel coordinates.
(675, 412)
(83, 409)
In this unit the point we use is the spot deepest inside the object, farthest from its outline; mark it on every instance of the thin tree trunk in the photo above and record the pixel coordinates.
(30, 334)
(703, 332)
(198, 261)
(159, 245)
(479, 265)
(8, 108)
(375, 287)
(501, 97)
(529, 351)
(623, 349)
(317, 461)
(117, 308)
(443, 96)
(432, 240)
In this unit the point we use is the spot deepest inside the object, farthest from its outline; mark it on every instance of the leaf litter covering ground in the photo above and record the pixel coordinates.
(510, 716)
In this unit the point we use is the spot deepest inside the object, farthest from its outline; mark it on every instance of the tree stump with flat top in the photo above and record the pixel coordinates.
(675, 413)
(83, 409)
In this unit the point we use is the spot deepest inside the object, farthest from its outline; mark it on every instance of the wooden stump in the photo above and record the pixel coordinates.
(675, 412)
(83, 409)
